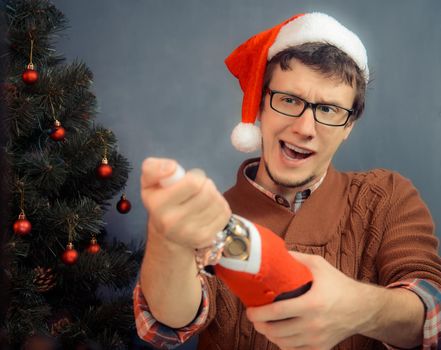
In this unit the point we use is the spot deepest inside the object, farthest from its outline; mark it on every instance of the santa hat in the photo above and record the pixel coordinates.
(248, 63)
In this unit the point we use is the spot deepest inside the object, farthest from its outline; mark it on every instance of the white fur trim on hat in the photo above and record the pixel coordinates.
(246, 137)
(319, 27)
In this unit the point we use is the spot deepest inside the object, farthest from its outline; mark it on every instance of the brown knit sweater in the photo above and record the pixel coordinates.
(372, 226)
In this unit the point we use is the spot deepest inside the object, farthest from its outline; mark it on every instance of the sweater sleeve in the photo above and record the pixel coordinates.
(408, 255)
(409, 247)
(160, 335)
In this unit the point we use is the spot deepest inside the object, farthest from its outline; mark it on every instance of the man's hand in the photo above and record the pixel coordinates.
(183, 216)
(188, 213)
(323, 317)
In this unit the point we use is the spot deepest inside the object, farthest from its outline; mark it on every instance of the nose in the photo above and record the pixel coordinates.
(304, 125)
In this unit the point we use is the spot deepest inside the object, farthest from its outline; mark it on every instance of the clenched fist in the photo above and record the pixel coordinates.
(188, 213)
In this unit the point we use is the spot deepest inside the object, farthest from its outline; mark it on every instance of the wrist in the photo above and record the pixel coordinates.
(370, 300)
(169, 281)
(394, 316)
(160, 247)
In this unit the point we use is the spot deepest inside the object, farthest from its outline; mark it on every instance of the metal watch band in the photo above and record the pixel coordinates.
(232, 242)
(237, 241)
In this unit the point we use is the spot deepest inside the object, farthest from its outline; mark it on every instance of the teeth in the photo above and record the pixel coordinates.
(298, 150)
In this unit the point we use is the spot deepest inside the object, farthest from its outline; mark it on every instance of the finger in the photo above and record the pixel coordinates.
(285, 333)
(201, 201)
(205, 219)
(155, 169)
(199, 218)
(285, 328)
(300, 256)
(217, 224)
(207, 198)
(310, 260)
(193, 183)
(279, 310)
(183, 190)
(210, 219)
(294, 342)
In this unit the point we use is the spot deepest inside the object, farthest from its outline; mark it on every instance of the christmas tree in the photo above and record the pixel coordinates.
(69, 287)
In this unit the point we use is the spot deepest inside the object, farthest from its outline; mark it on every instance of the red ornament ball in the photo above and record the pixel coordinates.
(123, 205)
(22, 226)
(93, 247)
(104, 171)
(58, 133)
(70, 255)
(30, 76)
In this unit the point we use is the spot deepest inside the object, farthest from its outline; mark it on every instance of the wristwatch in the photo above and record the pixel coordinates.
(232, 242)
(237, 240)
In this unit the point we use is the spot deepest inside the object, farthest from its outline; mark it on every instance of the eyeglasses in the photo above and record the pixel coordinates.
(294, 106)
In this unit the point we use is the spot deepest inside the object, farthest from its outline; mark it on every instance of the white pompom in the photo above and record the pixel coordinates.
(246, 137)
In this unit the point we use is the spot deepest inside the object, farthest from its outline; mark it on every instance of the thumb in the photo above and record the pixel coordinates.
(305, 259)
(155, 169)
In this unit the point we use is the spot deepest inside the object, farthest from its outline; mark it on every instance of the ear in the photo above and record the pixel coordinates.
(348, 128)
(259, 115)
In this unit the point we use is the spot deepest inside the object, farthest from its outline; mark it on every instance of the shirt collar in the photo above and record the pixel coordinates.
(250, 172)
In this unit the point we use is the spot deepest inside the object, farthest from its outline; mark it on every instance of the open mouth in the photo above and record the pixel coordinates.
(294, 152)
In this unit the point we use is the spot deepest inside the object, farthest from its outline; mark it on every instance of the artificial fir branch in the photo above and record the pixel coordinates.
(112, 267)
(39, 20)
(55, 182)
(45, 170)
(23, 112)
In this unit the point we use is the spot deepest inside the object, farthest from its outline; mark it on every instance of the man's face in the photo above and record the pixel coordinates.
(281, 166)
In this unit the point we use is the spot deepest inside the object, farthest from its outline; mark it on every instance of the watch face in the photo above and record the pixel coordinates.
(236, 247)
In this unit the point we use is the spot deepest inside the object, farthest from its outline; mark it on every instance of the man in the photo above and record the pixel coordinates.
(367, 238)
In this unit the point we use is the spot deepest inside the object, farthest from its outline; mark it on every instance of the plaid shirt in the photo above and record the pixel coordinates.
(250, 172)
(431, 298)
(158, 334)
(161, 336)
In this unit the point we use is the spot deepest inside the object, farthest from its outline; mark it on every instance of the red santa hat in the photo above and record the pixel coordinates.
(248, 63)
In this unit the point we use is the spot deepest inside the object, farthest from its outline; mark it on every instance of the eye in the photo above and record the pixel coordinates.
(328, 109)
(290, 100)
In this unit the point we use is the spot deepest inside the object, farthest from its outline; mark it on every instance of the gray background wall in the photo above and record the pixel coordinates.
(163, 89)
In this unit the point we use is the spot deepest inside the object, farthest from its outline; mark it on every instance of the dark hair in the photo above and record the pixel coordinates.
(326, 59)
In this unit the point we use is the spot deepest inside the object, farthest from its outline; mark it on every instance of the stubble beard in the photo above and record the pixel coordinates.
(293, 184)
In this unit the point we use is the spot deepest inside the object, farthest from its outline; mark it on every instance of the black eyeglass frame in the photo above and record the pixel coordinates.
(307, 105)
